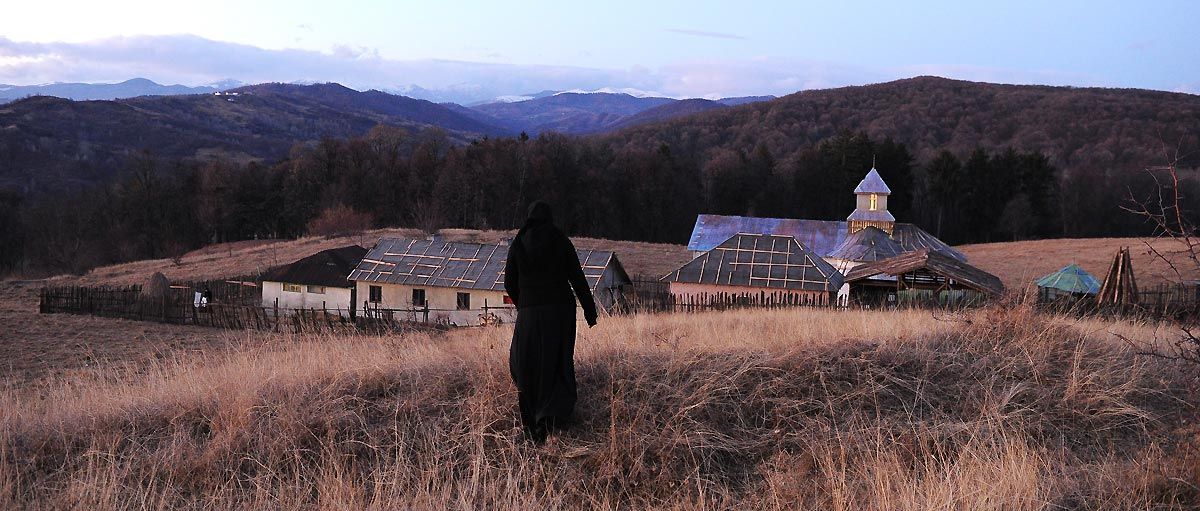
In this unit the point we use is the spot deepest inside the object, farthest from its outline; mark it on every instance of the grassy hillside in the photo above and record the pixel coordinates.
(807, 409)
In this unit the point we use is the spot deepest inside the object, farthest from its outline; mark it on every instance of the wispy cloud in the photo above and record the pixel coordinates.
(193, 60)
(705, 33)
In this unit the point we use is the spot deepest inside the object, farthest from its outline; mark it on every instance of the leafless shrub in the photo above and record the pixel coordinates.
(1166, 209)
(339, 220)
(427, 216)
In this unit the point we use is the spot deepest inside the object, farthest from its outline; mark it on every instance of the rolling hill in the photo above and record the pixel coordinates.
(1079, 129)
(581, 113)
(47, 142)
(667, 112)
(570, 112)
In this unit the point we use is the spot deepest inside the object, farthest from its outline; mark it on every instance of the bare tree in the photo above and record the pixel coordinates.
(1166, 210)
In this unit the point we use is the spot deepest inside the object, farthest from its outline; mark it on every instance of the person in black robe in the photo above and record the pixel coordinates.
(541, 271)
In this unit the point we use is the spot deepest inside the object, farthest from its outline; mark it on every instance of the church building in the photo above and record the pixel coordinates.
(870, 233)
(870, 236)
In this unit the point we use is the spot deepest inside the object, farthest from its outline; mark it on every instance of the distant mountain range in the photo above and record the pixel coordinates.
(574, 112)
(46, 142)
(126, 89)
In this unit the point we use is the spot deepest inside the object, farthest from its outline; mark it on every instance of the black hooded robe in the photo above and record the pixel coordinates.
(541, 271)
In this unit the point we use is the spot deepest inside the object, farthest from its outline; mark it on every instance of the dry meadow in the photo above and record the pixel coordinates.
(798, 409)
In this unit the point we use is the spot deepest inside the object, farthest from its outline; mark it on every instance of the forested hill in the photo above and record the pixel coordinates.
(48, 143)
(1078, 129)
(969, 162)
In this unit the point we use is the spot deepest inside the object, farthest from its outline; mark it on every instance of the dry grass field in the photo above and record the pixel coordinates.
(34, 347)
(1001, 408)
(1019, 263)
(799, 409)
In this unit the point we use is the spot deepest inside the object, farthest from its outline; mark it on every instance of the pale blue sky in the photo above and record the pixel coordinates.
(676, 48)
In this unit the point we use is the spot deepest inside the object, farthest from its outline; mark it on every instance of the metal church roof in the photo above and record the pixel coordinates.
(872, 183)
(868, 244)
(460, 265)
(760, 260)
(820, 236)
(1071, 279)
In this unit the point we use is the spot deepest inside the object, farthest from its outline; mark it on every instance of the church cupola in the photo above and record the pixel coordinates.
(871, 205)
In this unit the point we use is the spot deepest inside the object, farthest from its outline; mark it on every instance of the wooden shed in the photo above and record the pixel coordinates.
(1071, 283)
(921, 275)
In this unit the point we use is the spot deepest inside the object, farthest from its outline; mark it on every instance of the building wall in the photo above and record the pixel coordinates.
(685, 292)
(442, 302)
(333, 298)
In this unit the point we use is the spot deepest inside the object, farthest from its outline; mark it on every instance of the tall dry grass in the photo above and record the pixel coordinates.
(802, 409)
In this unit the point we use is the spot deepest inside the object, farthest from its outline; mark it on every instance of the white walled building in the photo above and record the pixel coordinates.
(315, 282)
(453, 282)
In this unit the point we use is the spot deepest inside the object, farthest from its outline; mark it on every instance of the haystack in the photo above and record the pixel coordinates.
(156, 287)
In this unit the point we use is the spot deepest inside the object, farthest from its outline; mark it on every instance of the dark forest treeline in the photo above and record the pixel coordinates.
(392, 177)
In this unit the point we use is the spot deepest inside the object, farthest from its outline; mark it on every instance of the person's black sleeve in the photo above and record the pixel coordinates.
(580, 283)
(511, 283)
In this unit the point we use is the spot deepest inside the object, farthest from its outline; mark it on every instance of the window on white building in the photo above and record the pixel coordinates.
(291, 288)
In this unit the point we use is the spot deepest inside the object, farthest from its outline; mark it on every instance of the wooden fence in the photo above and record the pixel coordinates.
(650, 296)
(1173, 301)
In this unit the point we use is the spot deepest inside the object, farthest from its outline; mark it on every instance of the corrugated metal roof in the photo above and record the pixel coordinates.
(456, 264)
(760, 260)
(820, 236)
(872, 183)
(868, 244)
(1071, 279)
(324, 268)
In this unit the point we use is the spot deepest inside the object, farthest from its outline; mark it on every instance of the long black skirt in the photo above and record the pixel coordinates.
(541, 360)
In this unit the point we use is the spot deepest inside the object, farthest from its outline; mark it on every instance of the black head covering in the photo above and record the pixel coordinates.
(539, 212)
(538, 235)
